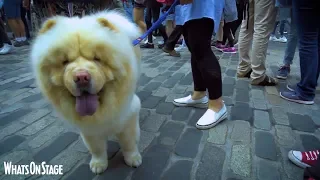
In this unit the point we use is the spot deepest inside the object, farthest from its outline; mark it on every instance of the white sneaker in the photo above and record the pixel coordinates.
(211, 118)
(188, 101)
(282, 39)
(6, 49)
(180, 48)
(273, 38)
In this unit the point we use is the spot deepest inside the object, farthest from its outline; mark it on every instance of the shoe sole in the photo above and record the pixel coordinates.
(230, 52)
(223, 117)
(281, 77)
(296, 161)
(297, 101)
(290, 89)
(202, 105)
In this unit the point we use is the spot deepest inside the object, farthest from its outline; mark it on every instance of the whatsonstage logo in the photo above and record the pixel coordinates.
(32, 169)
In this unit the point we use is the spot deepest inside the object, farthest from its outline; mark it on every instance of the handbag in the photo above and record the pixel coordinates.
(166, 2)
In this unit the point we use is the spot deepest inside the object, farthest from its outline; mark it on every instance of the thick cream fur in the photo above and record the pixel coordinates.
(100, 44)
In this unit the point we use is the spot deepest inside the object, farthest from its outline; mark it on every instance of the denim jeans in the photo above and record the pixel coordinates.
(281, 30)
(307, 14)
(128, 7)
(292, 43)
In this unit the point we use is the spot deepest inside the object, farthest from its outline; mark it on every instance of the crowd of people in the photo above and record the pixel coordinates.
(192, 25)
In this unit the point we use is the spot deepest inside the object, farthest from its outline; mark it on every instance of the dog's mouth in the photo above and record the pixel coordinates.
(87, 104)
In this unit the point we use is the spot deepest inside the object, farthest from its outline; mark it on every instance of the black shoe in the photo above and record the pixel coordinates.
(147, 46)
(268, 81)
(160, 46)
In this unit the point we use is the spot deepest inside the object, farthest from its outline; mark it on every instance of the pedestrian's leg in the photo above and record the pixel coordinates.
(290, 51)
(308, 35)
(264, 20)
(304, 13)
(199, 35)
(148, 20)
(245, 39)
(24, 20)
(138, 16)
(162, 29)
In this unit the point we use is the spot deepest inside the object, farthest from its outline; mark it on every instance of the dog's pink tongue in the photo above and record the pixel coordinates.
(86, 104)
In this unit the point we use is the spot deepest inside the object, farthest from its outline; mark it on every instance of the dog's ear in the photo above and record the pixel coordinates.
(47, 25)
(105, 23)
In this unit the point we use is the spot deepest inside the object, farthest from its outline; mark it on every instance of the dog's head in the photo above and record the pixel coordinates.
(81, 59)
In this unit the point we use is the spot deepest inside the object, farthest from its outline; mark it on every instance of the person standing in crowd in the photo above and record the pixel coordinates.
(152, 14)
(138, 14)
(201, 19)
(12, 9)
(45, 9)
(255, 32)
(25, 11)
(305, 12)
(282, 15)
(284, 70)
(5, 43)
(175, 34)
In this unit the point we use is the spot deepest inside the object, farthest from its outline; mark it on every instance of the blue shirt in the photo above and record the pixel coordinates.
(178, 15)
(212, 9)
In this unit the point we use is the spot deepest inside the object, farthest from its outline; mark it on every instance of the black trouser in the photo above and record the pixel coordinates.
(154, 13)
(174, 37)
(227, 33)
(3, 35)
(237, 23)
(230, 28)
(206, 69)
(24, 20)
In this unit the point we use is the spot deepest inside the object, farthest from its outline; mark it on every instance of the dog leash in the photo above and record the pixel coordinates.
(150, 30)
(156, 24)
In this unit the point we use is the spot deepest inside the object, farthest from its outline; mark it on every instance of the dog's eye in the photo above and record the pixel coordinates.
(96, 59)
(65, 62)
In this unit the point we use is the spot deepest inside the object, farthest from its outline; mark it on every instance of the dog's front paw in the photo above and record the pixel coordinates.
(133, 159)
(98, 166)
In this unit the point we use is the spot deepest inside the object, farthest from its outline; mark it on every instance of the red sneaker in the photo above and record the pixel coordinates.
(304, 159)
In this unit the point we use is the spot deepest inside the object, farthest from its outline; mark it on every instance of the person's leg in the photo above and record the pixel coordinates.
(264, 19)
(162, 29)
(12, 10)
(24, 20)
(308, 35)
(228, 33)
(138, 16)
(240, 8)
(290, 51)
(148, 20)
(282, 38)
(5, 44)
(206, 66)
(172, 41)
(275, 28)
(245, 39)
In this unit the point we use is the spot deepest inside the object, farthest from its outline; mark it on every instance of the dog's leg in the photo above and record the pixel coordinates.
(98, 148)
(129, 140)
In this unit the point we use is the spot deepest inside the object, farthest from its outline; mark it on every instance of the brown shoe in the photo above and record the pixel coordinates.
(267, 81)
(171, 53)
(247, 75)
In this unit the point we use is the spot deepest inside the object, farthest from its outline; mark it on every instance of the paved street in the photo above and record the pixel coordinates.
(252, 144)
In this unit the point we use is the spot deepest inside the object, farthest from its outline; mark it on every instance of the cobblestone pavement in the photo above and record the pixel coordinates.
(252, 144)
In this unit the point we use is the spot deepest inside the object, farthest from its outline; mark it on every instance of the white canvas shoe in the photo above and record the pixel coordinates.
(188, 101)
(211, 118)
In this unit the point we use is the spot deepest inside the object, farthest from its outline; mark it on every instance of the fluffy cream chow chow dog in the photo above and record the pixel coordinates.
(88, 69)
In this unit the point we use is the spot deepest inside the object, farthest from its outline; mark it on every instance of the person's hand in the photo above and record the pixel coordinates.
(182, 2)
(25, 4)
